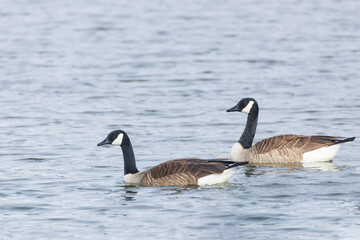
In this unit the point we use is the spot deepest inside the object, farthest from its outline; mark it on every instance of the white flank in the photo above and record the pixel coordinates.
(248, 107)
(217, 178)
(118, 140)
(132, 178)
(237, 153)
(322, 154)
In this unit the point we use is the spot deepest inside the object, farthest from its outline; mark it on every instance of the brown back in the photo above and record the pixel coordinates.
(185, 171)
(296, 142)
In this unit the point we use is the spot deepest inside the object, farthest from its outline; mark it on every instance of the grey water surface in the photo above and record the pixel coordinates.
(165, 72)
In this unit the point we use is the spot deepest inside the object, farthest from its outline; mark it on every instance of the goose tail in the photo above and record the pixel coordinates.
(350, 139)
(230, 164)
(236, 164)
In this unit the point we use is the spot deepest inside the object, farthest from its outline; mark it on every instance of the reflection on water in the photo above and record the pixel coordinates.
(124, 192)
(322, 166)
(130, 195)
(178, 190)
(258, 169)
(130, 192)
(255, 170)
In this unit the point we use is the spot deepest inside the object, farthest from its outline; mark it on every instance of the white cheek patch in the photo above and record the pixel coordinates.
(248, 107)
(118, 140)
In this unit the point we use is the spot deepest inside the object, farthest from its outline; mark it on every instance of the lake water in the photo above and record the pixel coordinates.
(165, 72)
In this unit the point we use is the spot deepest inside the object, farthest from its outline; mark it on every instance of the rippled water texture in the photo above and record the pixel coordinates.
(165, 72)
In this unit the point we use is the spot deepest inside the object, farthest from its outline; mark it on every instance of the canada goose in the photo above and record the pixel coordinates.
(179, 172)
(282, 148)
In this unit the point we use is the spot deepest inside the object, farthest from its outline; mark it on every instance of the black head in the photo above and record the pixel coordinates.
(245, 105)
(114, 138)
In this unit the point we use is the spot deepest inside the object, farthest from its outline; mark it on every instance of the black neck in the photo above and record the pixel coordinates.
(248, 135)
(129, 157)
